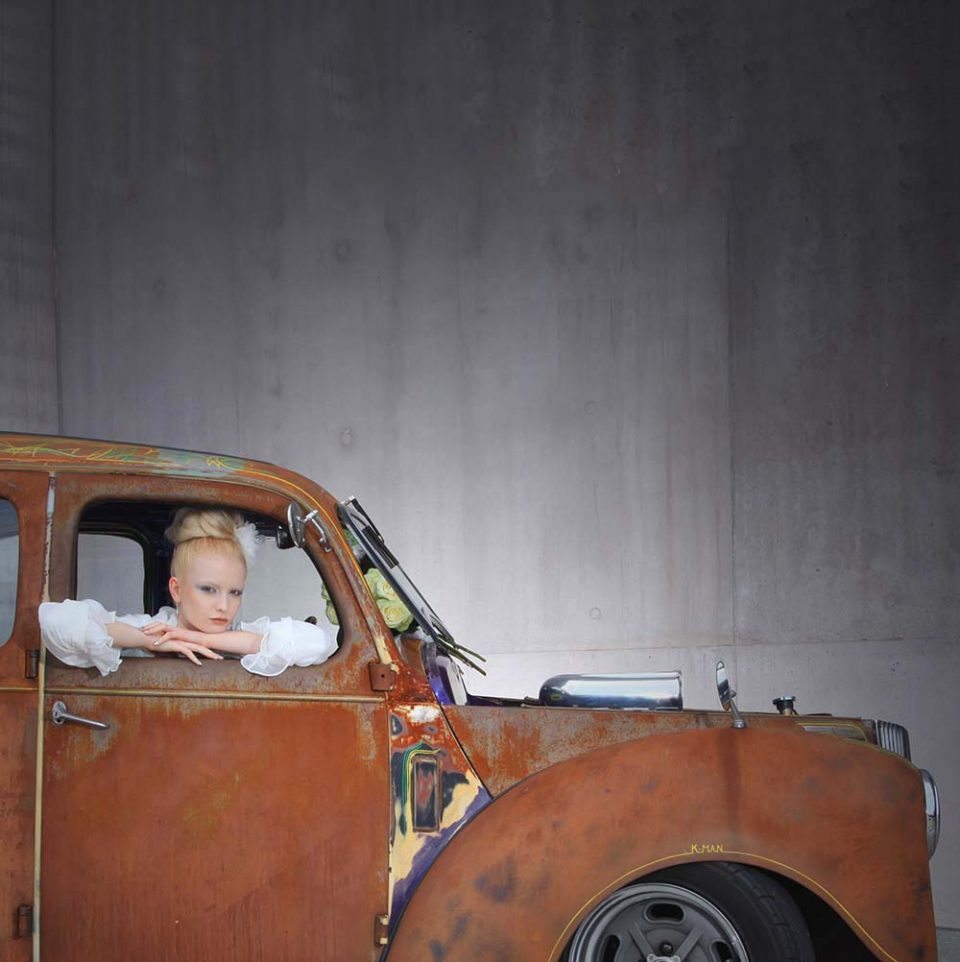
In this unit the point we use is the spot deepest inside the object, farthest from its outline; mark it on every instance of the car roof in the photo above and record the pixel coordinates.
(57, 453)
(91, 453)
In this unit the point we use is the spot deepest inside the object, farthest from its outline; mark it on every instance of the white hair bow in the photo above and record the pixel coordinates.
(246, 535)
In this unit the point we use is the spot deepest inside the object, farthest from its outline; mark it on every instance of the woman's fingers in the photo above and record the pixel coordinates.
(166, 636)
(172, 633)
(189, 649)
(201, 650)
(176, 633)
(206, 652)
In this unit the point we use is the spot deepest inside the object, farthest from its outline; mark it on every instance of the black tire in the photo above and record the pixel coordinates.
(706, 912)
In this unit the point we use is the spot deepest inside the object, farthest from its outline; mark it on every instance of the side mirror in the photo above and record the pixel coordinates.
(728, 696)
(297, 522)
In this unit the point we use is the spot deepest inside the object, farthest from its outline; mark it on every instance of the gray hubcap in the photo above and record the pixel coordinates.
(657, 922)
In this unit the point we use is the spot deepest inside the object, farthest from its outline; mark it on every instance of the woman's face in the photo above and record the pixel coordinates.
(209, 591)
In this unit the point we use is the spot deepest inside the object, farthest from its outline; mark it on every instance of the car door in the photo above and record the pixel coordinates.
(221, 815)
(22, 511)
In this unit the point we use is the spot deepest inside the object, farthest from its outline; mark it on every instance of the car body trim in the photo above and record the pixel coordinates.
(211, 694)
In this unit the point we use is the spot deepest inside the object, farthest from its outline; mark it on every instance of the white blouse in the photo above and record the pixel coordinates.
(75, 631)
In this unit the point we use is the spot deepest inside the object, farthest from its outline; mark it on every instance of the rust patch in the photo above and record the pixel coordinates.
(18, 742)
(203, 815)
(500, 883)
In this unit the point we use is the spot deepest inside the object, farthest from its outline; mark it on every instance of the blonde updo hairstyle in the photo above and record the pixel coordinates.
(203, 529)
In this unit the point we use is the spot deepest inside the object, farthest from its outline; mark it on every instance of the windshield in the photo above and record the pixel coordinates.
(357, 522)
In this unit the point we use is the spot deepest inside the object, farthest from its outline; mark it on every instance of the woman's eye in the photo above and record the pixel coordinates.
(207, 588)
(237, 592)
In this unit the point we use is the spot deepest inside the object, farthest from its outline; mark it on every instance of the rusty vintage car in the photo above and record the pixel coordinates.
(369, 808)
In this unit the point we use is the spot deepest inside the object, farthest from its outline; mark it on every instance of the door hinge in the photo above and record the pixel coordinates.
(381, 931)
(31, 663)
(382, 677)
(23, 926)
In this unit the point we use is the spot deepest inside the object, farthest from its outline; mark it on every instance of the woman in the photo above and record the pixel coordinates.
(208, 572)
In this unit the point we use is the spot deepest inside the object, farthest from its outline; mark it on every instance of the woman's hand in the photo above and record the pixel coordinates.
(234, 642)
(159, 632)
(181, 641)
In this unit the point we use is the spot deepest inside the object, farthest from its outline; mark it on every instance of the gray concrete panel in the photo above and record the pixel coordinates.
(845, 388)
(28, 371)
(633, 324)
(442, 270)
(845, 393)
(948, 945)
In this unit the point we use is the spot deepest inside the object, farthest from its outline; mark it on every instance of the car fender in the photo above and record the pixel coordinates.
(843, 819)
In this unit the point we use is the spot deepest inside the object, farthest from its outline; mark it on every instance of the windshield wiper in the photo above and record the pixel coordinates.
(356, 520)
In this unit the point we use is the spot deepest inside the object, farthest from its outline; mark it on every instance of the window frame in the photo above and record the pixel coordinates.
(345, 671)
(28, 492)
(131, 533)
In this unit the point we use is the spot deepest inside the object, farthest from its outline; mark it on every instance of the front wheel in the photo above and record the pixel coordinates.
(705, 912)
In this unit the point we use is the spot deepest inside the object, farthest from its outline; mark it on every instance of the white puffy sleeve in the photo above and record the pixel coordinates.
(288, 642)
(76, 632)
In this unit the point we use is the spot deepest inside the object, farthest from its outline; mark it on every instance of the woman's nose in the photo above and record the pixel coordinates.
(221, 602)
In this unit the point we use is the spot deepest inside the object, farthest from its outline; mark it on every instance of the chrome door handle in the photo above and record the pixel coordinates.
(60, 716)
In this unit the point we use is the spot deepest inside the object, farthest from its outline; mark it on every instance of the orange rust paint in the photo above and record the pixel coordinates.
(514, 883)
(18, 740)
(214, 829)
(507, 744)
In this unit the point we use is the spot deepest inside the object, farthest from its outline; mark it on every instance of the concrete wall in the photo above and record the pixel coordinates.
(845, 380)
(633, 324)
(28, 372)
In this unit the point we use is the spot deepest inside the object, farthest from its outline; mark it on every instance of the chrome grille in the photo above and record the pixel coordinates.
(893, 738)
